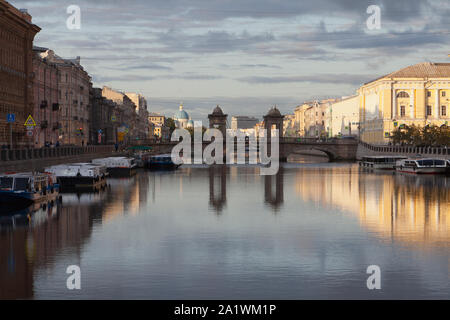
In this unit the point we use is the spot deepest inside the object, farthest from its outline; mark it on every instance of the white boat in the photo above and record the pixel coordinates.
(118, 166)
(422, 166)
(380, 162)
(79, 175)
(27, 188)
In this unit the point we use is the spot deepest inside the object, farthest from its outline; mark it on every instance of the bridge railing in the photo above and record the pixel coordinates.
(408, 149)
(55, 152)
(316, 140)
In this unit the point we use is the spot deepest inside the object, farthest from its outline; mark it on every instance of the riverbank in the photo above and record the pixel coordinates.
(411, 152)
(41, 163)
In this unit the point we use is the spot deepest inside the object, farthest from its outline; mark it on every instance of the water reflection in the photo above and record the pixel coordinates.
(155, 232)
(218, 187)
(274, 198)
(396, 206)
(32, 238)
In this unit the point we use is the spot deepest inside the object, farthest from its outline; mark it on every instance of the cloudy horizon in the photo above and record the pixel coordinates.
(243, 55)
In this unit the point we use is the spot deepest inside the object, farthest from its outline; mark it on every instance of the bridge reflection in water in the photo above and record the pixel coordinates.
(412, 210)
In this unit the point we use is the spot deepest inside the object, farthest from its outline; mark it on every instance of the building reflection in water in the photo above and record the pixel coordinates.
(274, 197)
(410, 208)
(36, 237)
(218, 187)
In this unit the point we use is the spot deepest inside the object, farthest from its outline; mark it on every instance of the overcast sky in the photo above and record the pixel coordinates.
(245, 55)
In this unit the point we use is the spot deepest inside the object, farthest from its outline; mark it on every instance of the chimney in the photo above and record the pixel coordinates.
(25, 14)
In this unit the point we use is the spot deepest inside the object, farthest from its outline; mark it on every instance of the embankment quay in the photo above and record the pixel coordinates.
(38, 159)
(365, 149)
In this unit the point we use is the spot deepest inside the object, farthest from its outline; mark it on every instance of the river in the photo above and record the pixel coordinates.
(203, 232)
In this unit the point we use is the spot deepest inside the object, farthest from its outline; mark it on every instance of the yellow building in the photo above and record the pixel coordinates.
(418, 94)
(290, 127)
(157, 118)
(299, 114)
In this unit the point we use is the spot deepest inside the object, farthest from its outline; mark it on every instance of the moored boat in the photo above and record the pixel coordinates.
(27, 188)
(380, 162)
(118, 166)
(79, 175)
(422, 166)
(161, 162)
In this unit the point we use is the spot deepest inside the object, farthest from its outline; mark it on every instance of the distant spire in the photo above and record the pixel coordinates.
(181, 105)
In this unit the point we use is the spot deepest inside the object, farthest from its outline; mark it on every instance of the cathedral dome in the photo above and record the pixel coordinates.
(181, 114)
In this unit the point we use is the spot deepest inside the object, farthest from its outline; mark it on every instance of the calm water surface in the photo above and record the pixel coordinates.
(228, 233)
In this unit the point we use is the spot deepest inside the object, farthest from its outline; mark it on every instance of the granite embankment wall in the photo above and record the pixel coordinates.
(38, 159)
(365, 149)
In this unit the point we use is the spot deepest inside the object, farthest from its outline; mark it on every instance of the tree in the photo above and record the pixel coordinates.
(430, 135)
(191, 131)
(171, 124)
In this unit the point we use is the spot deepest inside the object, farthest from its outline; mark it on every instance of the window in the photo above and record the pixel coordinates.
(402, 94)
(428, 110)
(443, 110)
(443, 93)
(402, 111)
(428, 93)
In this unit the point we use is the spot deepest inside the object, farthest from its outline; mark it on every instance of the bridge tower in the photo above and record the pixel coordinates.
(273, 120)
(218, 120)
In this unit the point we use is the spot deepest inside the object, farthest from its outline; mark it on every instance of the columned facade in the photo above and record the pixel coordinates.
(416, 95)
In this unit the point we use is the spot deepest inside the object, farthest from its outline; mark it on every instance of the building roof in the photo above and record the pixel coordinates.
(217, 111)
(420, 70)
(274, 112)
(181, 114)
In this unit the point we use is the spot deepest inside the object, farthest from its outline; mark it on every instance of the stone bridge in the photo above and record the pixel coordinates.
(335, 149)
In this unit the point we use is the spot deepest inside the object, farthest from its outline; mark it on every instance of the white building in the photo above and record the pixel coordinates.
(181, 118)
(343, 117)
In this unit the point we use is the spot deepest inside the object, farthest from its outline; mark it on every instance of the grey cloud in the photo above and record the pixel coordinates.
(351, 79)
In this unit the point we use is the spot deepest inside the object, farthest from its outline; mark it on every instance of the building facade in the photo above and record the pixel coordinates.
(243, 122)
(157, 118)
(142, 126)
(102, 111)
(125, 116)
(17, 33)
(74, 94)
(343, 117)
(46, 111)
(290, 126)
(418, 94)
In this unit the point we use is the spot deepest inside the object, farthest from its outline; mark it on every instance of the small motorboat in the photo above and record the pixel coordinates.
(27, 188)
(79, 175)
(118, 166)
(422, 166)
(161, 162)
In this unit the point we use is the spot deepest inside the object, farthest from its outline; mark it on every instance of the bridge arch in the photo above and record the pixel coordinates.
(304, 150)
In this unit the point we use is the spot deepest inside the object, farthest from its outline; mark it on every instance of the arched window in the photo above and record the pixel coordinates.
(403, 94)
